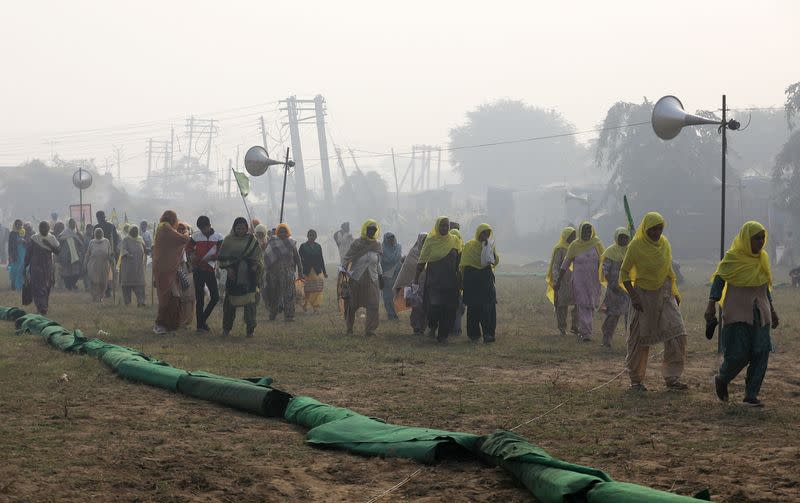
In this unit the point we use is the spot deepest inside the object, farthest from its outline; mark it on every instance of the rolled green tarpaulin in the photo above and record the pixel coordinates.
(237, 393)
(155, 374)
(554, 481)
(11, 313)
(622, 492)
(310, 413)
(33, 323)
(371, 437)
(113, 357)
(549, 479)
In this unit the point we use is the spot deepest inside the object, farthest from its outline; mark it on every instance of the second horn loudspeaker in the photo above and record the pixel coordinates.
(669, 118)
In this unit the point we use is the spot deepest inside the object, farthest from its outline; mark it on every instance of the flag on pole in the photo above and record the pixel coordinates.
(631, 226)
(126, 218)
(114, 218)
(243, 182)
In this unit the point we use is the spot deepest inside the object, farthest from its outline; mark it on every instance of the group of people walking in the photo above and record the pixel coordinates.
(641, 282)
(438, 280)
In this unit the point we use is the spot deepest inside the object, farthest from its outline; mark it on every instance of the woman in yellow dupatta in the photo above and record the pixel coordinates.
(439, 259)
(562, 298)
(648, 277)
(616, 301)
(480, 296)
(583, 256)
(742, 285)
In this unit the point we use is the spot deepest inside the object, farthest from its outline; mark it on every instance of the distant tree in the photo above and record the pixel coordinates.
(186, 178)
(786, 172)
(524, 164)
(753, 150)
(363, 194)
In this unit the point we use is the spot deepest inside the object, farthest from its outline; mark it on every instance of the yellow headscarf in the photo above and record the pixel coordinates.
(648, 263)
(437, 247)
(471, 256)
(581, 246)
(561, 245)
(614, 252)
(742, 267)
(364, 230)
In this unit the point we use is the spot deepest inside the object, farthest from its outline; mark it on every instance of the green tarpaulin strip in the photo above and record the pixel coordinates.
(549, 479)
(237, 393)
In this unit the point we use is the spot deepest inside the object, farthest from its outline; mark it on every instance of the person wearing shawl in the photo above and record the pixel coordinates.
(168, 253)
(313, 270)
(98, 263)
(186, 279)
(616, 301)
(455, 229)
(71, 258)
(362, 267)
(343, 239)
(406, 293)
(583, 257)
(282, 262)
(562, 298)
(56, 228)
(131, 268)
(17, 248)
(391, 261)
(241, 257)
(262, 234)
(648, 277)
(741, 284)
(88, 236)
(477, 270)
(39, 266)
(439, 260)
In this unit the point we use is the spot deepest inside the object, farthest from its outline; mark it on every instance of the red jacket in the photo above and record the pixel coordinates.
(203, 250)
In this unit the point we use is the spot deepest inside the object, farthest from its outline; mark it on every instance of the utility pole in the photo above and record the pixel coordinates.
(118, 151)
(327, 186)
(149, 157)
(300, 176)
(396, 185)
(228, 188)
(190, 128)
(439, 169)
(270, 183)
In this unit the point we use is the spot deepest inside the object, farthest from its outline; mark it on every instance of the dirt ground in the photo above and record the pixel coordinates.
(100, 438)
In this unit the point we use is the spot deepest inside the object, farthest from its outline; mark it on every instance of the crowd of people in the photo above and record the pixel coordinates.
(439, 280)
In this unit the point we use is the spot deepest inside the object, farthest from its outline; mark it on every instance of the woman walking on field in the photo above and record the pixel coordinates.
(168, 252)
(391, 261)
(313, 270)
(561, 298)
(71, 258)
(742, 285)
(617, 301)
(405, 279)
(477, 265)
(282, 261)
(583, 256)
(241, 256)
(362, 264)
(98, 265)
(439, 259)
(648, 277)
(131, 267)
(39, 262)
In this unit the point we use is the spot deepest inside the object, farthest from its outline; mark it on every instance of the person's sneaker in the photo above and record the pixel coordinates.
(203, 328)
(638, 387)
(488, 339)
(159, 330)
(586, 339)
(250, 334)
(720, 389)
(676, 385)
(752, 402)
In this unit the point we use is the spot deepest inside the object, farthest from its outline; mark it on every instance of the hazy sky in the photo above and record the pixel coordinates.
(393, 73)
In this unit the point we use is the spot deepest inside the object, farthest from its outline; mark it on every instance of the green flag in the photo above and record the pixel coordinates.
(631, 226)
(243, 182)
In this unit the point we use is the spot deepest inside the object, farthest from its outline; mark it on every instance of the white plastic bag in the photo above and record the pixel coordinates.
(487, 254)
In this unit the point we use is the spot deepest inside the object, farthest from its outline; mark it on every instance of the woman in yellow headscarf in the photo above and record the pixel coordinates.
(648, 277)
(439, 259)
(361, 266)
(617, 301)
(477, 270)
(583, 257)
(741, 283)
(562, 298)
